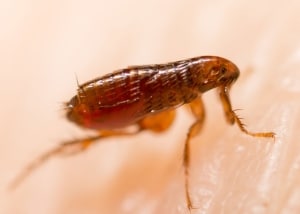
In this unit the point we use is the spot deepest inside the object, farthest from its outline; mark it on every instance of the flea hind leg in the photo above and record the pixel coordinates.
(197, 108)
(157, 123)
(65, 148)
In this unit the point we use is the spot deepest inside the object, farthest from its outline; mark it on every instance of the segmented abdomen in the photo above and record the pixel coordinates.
(137, 91)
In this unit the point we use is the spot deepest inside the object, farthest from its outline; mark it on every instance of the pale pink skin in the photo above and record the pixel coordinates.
(44, 46)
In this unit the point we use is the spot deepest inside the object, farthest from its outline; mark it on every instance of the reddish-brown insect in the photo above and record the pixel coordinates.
(147, 96)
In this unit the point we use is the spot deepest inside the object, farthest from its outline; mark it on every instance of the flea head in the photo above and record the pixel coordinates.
(216, 72)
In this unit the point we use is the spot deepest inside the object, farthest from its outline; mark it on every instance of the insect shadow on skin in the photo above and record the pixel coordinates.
(147, 97)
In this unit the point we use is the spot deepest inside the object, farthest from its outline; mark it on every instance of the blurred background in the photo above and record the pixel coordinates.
(45, 45)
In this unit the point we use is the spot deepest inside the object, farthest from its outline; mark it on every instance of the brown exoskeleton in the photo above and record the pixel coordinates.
(147, 96)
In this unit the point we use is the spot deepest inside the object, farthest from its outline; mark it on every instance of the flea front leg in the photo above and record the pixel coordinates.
(232, 117)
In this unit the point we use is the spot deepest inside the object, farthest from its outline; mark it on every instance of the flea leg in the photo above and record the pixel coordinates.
(197, 108)
(232, 117)
(158, 122)
(66, 148)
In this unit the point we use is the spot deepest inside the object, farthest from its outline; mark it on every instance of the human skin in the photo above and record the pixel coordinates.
(44, 45)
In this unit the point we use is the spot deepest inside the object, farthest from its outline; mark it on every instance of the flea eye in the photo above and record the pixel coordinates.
(223, 70)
